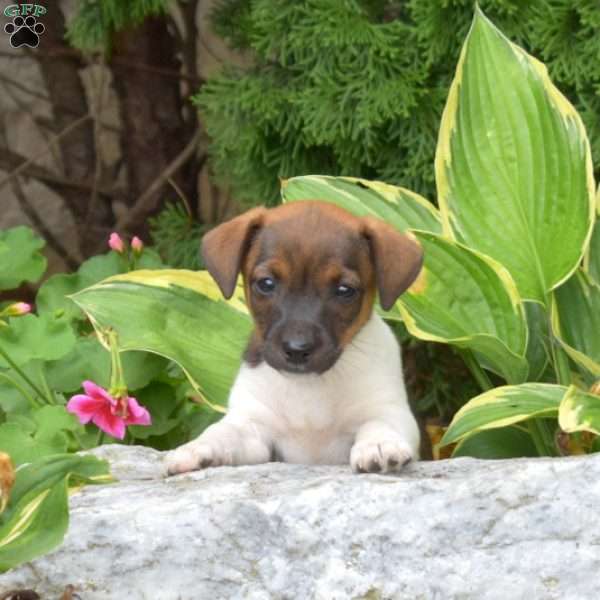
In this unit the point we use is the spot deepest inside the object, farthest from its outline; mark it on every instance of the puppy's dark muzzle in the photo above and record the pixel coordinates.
(298, 351)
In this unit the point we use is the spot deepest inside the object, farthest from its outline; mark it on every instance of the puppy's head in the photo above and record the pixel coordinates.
(310, 271)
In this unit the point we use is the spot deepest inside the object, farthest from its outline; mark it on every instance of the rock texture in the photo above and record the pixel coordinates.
(453, 529)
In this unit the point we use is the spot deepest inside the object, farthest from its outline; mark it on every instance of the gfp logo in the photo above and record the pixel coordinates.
(25, 29)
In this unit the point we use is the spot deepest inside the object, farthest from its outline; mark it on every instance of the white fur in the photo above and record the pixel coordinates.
(355, 412)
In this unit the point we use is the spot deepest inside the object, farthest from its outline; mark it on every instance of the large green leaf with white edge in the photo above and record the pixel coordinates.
(32, 337)
(579, 411)
(20, 257)
(177, 314)
(464, 298)
(398, 206)
(513, 164)
(503, 406)
(576, 320)
(37, 517)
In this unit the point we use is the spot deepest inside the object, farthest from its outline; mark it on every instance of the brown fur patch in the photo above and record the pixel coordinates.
(309, 248)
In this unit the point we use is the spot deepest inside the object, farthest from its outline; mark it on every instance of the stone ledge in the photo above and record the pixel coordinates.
(463, 529)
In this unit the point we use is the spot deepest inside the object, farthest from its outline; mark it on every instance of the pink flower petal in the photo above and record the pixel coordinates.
(85, 407)
(138, 415)
(110, 423)
(95, 391)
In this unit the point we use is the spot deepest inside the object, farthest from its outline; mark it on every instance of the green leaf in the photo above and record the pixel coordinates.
(466, 299)
(594, 253)
(23, 447)
(90, 360)
(504, 442)
(52, 420)
(159, 400)
(30, 337)
(37, 517)
(579, 411)
(53, 294)
(15, 391)
(20, 257)
(513, 164)
(398, 206)
(504, 406)
(538, 353)
(576, 320)
(177, 314)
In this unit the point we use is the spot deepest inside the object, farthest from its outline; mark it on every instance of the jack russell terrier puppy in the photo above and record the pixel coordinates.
(321, 381)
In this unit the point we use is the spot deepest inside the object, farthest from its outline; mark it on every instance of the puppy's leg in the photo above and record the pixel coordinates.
(224, 443)
(385, 448)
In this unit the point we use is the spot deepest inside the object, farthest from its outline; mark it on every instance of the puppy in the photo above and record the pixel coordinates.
(321, 381)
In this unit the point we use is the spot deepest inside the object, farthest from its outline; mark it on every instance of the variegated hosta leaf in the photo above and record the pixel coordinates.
(37, 516)
(576, 320)
(579, 411)
(464, 298)
(178, 314)
(513, 164)
(504, 406)
(398, 206)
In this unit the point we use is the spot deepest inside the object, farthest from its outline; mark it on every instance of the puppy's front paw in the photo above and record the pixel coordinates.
(194, 456)
(379, 457)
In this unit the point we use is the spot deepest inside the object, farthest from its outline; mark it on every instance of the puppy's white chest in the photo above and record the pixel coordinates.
(305, 414)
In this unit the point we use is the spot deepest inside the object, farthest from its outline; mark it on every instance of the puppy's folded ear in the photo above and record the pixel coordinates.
(397, 259)
(225, 246)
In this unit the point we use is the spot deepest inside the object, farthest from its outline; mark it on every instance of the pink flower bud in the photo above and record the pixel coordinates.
(137, 245)
(116, 243)
(18, 309)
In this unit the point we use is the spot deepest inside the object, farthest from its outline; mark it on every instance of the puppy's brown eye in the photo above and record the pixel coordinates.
(266, 285)
(345, 291)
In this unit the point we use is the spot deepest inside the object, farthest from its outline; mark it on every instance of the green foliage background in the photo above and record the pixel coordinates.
(357, 87)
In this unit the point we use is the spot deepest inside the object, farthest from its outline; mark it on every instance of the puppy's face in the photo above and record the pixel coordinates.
(311, 271)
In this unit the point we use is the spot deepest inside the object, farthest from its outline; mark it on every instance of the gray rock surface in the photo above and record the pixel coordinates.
(453, 529)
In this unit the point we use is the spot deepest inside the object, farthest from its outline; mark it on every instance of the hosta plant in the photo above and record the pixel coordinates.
(510, 277)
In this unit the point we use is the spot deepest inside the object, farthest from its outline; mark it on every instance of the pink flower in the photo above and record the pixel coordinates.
(17, 309)
(116, 243)
(137, 245)
(110, 414)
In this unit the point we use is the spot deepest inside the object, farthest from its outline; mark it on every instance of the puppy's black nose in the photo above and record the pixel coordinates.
(298, 350)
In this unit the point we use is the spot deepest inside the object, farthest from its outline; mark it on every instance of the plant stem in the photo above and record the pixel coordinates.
(478, 373)
(117, 381)
(32, 401)
(49, 394)
(541, 437)
(16, 367)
